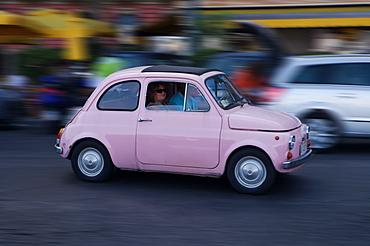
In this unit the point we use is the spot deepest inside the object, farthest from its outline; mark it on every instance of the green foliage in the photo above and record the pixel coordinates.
(128, 47)
(207, 26)
(211, 24)
(95, 49)
(201, 55)
(315, 53)
(36, 62)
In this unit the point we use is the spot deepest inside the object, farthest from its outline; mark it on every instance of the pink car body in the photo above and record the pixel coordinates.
(199, 142)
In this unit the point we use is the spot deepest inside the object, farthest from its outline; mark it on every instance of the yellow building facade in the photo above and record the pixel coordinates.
(334, 26)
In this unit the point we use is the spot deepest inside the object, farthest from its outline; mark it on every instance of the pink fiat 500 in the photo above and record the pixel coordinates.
(182, 120)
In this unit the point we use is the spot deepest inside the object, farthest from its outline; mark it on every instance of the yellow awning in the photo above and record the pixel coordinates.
(67, 24)
(299, 15)
(15, 25)
(307, 23)
(50, 23)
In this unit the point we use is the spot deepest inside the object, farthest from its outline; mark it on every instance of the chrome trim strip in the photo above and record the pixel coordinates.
(297, 162)
(280, 130)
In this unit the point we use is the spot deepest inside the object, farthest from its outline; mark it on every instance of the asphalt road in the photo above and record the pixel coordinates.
(327, 202)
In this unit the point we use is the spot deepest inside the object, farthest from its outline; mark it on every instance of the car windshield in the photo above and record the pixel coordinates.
(224, 92)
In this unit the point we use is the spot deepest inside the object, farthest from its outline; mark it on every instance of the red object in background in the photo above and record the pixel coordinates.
(246, 78)
(51, 97)
(270, 94)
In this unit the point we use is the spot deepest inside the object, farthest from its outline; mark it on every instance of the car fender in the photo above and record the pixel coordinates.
(122, 159)
(253, 139)
(72, 135)
(318, 107)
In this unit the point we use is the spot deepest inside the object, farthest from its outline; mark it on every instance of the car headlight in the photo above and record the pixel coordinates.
(308, 129)
(291, 142)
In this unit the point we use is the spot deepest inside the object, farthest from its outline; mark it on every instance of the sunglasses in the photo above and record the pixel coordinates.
(160, 90)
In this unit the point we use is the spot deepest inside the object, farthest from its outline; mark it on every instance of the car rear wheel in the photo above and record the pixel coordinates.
(91, 162)
(325, 132)
(250, 171)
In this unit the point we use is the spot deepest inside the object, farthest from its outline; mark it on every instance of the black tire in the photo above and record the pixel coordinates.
(250, 171)
(91, 162)
(325, 132)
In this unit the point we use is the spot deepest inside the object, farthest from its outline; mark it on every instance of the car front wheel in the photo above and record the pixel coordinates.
(250, 171)
(91, 162)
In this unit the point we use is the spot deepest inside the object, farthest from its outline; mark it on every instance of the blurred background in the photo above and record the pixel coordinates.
(54, 53)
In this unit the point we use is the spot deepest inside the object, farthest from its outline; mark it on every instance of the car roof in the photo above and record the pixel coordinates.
(144, 70)
(147, 71)
(325, 59)
(308, 57)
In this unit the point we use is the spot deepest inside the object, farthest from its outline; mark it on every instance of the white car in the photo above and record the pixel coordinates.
(329, 93)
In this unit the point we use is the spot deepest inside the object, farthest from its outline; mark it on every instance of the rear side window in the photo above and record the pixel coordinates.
(352, 74)
(339, 74)
(122, 96)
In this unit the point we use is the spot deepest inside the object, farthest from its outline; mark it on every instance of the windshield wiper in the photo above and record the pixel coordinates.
(238, 102)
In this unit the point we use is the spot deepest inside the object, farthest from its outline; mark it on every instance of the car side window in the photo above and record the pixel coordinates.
(187, 97)
(122, 96)
(317, 74)
(337, 74)
(351, 74)
(158, 95)
(171, 96)
(195, 100)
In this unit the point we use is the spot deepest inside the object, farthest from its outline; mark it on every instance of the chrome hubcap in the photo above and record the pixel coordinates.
(250, 172)
(90, 162)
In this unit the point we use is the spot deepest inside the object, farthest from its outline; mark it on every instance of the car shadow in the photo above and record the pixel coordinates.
(293, 185)
(285, 185)
(171, 182)
(290, 184)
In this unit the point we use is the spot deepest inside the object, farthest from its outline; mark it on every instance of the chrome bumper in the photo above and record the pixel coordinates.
(297, 162)
(58, 149)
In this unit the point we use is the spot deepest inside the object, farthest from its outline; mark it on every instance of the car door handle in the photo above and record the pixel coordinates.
(141, 120)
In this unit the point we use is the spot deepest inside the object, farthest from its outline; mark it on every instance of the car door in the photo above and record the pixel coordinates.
(182, 138)
(351, 89)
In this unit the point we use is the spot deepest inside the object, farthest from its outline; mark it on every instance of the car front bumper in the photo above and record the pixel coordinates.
(297, 162)
(58, 149)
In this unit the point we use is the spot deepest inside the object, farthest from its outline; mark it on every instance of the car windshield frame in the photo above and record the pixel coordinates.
(224, 92)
